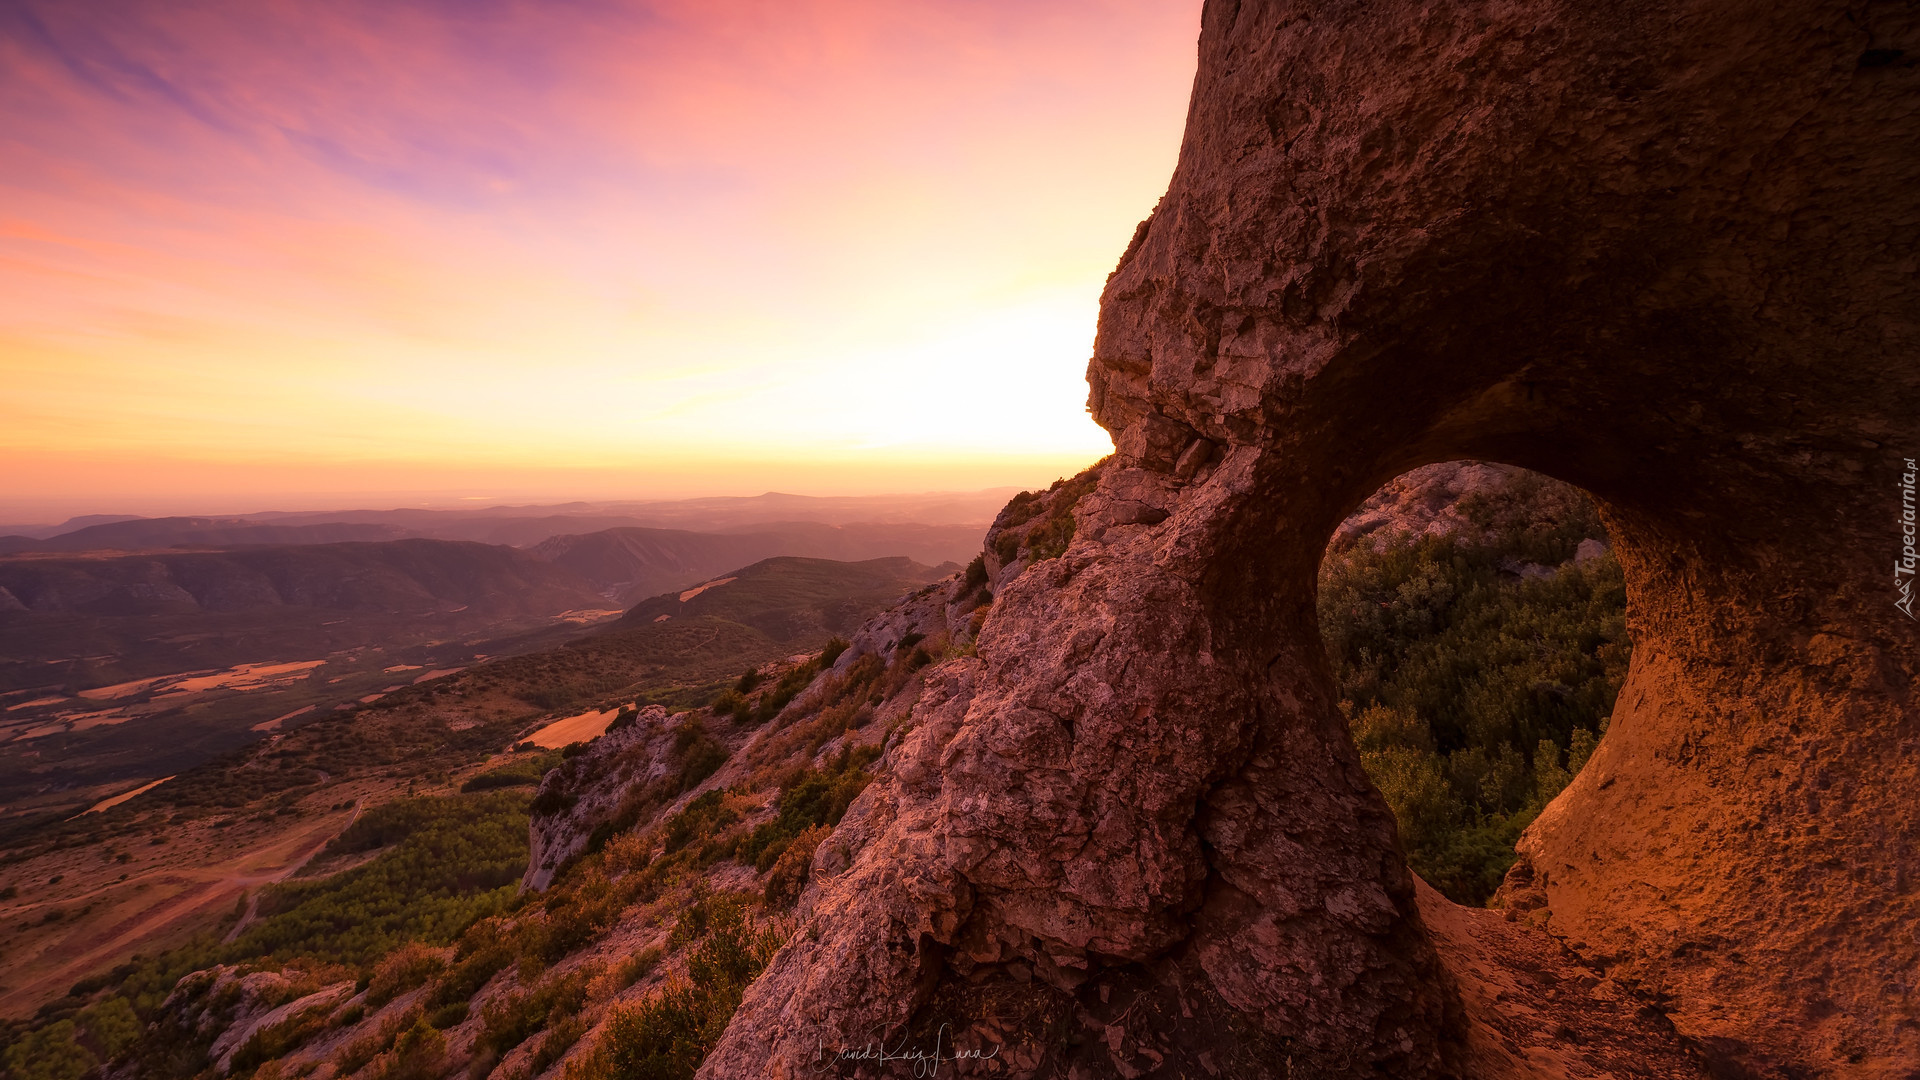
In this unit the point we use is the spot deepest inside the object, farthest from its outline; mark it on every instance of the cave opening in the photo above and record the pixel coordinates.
(1474, 622)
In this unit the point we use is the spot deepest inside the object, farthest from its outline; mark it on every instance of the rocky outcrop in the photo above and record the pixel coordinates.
(1664, 254)
(214, 1013)
(1424, 502)
(587, 790)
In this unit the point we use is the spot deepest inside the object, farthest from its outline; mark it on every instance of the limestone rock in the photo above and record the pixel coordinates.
(1664, 253)
(1423, 502)
(587, 790)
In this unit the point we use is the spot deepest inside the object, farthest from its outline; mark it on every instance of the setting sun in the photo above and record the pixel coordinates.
(254, 251)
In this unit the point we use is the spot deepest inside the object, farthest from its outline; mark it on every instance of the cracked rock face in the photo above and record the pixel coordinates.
(1663, 253)
(586, 792)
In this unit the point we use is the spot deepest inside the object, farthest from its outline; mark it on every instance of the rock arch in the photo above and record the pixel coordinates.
(1665, 253)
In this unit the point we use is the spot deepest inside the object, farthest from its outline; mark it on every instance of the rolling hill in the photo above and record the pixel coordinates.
(792, 599)
(630, 564)
(142, 534)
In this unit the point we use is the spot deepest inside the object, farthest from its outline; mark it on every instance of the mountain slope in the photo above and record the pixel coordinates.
(394, 576)
(141, 534)
(791, 598)
(629, 564)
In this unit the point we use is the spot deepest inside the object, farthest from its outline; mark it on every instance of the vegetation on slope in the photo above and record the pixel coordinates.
(1477, 672)
(442, 864)
(793, 599)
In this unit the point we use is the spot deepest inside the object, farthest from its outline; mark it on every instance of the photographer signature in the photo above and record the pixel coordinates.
(926, 1063)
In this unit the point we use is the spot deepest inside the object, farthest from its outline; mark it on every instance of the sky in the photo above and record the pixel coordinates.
(260, 254)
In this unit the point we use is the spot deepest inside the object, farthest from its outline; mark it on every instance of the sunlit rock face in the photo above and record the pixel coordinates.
(1665, 253)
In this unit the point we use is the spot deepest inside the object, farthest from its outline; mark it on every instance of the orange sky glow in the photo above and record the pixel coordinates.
(269, 253)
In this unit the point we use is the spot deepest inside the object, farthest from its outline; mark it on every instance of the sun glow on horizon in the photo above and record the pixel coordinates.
(622, 246)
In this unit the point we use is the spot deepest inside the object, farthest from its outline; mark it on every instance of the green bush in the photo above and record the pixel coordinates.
(451, 861)
(484, 950)
(697, 755)
(976, 575)
(50, 1053)
(701, 819)
(1466, 685)
(728, 702)
(526, 771)
(420, 1053)
(815, 797)
(280, 1039)
(834, 647)
(559, 1039)
(669, 1033)
(510, 1019)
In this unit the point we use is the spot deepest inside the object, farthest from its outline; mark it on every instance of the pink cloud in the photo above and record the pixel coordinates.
(267, 195)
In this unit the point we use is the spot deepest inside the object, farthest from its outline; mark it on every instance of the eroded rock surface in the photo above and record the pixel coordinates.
(587, 791)
(1665, 253)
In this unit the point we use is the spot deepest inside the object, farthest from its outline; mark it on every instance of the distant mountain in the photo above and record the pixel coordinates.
(734, 514)
(392, 577)
(41, 532)
(627, 564)
(145, 534)
(791, 599)
(931, 527)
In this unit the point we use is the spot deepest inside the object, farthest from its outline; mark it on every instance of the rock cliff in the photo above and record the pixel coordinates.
(1664, 253)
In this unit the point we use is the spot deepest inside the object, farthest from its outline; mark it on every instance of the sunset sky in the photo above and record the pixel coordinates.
(264, 254)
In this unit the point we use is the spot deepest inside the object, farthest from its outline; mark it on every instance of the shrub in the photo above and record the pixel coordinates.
(635, 967)
(1466, 685)
(560, 1038)
(524, 772)
(789, 687)
(50, 1053)
(410, 965)
(280, 1039)
(508, 1020)
(418, 1054)
(702, 818)
(976, 575)
(356, 1055)
(574, 916)
(814, 797)
(552, 801)
(831, 653)
(467, 976)
(669, 1033)
(626, 853)
(111, 1026)
(789, 874)
(699, 754)
(450, 861)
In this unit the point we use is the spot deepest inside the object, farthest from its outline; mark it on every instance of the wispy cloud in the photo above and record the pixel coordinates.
(265, 230)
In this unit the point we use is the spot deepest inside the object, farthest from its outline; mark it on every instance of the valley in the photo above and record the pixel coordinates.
(184, 638)
(162, 865)
(681, 749)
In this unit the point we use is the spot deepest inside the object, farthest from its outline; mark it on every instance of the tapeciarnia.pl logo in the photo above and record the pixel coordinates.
(1903, 567)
